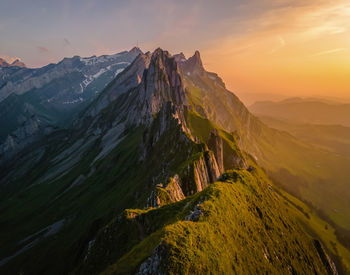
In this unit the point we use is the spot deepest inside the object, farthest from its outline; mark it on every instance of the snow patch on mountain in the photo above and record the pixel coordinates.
(90, 78)
(93, 60)
(118, 72)
(80, 99)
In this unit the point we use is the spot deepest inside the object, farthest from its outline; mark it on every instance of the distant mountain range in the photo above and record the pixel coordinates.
(162, 171)
(35, 101)
(335, 138)
(314, 111)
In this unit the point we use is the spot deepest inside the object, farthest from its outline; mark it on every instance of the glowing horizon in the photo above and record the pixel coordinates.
(280, 47)
(303, 50)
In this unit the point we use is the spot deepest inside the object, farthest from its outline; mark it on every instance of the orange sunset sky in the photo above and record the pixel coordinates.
(287, 47)
(299, 51)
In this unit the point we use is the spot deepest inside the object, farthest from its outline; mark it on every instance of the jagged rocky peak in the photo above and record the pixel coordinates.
(161, 83)
(180, 57)
(18, 63)
(136, 50)
(193, 65)
(135, 70)
(167, 79)
(196, 59)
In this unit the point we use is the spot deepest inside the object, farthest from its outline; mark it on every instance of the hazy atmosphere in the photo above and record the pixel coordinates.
(288, 47)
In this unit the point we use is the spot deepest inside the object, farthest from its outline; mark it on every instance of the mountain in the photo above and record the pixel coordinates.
(313, 111)
(33, 102)
(15, 63)
(18, 63)
(160, 174)
(3, 62)
(334, 138)
(249, 98)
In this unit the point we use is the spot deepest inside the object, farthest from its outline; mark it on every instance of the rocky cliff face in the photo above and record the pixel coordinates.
(215, 144)
(161, 93)
(209, 97)
(206, 171)
(161, 83)
(125, 81)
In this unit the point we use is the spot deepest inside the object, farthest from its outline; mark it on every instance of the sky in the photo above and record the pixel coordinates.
(284, 47)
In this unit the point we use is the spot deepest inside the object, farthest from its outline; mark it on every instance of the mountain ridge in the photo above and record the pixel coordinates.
(305, 111)
(157, 137)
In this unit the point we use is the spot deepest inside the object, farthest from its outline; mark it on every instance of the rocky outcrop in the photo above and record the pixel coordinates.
(195, 214)
(193, 65)
(326, 260)
(152, 266)
(205, 171)
(170, 193)
(161, 83)
(215, 144)
(174, 189)
(180, 57)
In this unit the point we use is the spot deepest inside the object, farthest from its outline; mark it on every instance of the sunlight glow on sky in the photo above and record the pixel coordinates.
(272, 46)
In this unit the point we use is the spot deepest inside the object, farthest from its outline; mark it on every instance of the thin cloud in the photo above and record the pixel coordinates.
(42, 49)
(329, 52)
(66, 42)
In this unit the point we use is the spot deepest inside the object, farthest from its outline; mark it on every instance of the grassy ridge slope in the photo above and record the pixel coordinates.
(245, 227)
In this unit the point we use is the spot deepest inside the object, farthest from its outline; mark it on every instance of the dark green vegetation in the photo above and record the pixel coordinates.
(130, 186)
